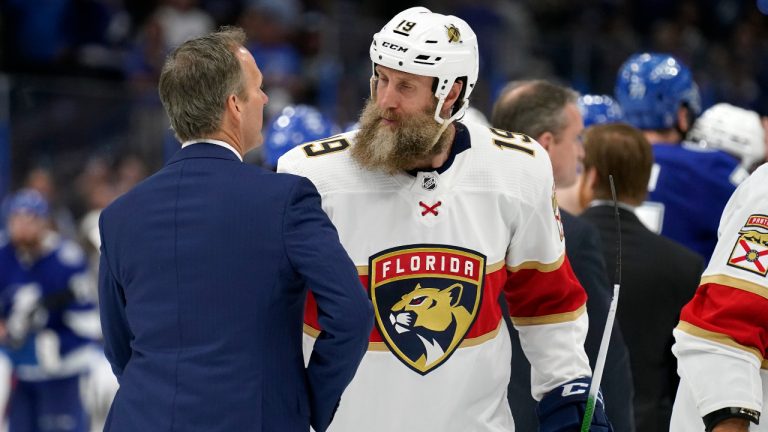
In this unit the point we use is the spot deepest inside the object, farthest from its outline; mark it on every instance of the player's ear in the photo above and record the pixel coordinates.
(547, 140)
(452, 97)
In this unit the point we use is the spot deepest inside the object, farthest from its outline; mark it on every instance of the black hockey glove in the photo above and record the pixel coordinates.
(562, 409)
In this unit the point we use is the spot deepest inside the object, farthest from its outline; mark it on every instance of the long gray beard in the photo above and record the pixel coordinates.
(379, 147)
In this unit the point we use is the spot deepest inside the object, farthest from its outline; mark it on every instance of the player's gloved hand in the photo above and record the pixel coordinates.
(562, 409)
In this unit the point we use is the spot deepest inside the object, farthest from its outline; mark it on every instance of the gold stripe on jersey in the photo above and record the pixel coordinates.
(494, 267)
(550, 319)
(363, 269)
(720, 338)
(311, 331)
(537, 265)
(737, 283)
(381, 346)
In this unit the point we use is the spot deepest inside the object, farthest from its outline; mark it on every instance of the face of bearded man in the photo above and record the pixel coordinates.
(392, 149)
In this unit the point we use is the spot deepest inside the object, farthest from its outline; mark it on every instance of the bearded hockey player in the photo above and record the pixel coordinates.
(721, 342)
(441, 218)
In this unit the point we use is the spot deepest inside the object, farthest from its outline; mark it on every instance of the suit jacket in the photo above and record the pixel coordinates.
(204, 272)
(583, 247)
(659, 276)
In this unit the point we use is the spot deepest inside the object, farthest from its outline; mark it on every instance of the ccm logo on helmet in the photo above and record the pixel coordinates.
(395, 47)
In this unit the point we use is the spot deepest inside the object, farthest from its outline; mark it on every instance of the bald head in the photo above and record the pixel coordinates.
(532, 107)
(548, 113)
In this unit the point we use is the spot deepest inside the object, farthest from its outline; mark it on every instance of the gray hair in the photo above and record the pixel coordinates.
(196, 80)
(532, 107)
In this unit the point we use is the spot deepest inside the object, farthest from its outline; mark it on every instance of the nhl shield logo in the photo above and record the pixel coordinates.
(425, 299)
(750, 252)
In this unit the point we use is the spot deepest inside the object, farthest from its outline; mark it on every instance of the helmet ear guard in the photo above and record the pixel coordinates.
(424, 43)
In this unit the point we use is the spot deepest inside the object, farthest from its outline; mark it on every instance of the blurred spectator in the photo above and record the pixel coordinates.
(268, 25)
(321, 68)
(41, 179)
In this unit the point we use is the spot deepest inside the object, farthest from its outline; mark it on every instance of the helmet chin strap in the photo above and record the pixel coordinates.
(445, 122)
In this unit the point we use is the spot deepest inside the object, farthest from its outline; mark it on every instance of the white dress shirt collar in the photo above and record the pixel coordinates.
(212, 141)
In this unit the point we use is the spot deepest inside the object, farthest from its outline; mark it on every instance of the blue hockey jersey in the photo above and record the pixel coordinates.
(690, 186)
(49, 342)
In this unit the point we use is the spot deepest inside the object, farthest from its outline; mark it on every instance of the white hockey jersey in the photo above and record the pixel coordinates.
(722, 339)
(435, 250)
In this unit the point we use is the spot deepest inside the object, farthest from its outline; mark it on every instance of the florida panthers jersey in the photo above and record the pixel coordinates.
(721, 342)
(688, 189)
(435, 249)
(49, 343)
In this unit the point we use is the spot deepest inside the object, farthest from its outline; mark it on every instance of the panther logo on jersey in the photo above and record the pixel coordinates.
(426, 298)
(750, 252)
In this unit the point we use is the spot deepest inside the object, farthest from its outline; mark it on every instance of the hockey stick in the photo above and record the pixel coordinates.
(597, 376)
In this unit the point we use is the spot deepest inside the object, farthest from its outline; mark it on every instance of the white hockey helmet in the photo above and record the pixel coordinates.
(425, 43)
(734, 130)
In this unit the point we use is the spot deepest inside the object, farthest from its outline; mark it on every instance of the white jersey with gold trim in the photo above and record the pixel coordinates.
(435, 251)
(722, 339)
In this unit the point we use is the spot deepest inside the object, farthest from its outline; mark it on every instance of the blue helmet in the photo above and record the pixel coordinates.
(296, 124)
(599, 109)
(651, 87)
(28, 201)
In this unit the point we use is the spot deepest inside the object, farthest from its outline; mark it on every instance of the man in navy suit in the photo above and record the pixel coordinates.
(205, 268)
(549, 114)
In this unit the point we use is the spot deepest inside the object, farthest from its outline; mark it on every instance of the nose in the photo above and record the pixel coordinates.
(386, 98)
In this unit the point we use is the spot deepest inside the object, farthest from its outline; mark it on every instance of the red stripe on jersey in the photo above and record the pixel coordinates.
(488, 314)
(730, 311)
(533, 293)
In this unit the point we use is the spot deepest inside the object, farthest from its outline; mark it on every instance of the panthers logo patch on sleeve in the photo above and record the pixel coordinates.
(425, 299)
(750, 252)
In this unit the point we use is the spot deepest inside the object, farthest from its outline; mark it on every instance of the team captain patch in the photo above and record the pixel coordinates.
(750, 252)
(425, 299)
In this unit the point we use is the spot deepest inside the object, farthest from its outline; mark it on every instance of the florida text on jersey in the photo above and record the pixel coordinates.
(435, 249)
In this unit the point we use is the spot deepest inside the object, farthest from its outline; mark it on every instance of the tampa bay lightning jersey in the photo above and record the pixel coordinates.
(690, 186)
(25, 283)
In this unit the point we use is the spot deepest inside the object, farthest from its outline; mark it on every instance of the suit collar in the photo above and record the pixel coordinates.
(606, 210)
(203, 150)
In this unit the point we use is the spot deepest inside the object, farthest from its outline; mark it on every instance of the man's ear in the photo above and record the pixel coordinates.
(233, 108)
(547, 140)
(452, 99)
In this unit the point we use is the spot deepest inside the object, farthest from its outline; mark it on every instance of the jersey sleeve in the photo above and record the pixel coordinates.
(722, 337)
(546, 302)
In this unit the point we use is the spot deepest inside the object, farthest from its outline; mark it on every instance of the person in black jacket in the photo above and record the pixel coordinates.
(548, 113)
(658, 275)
